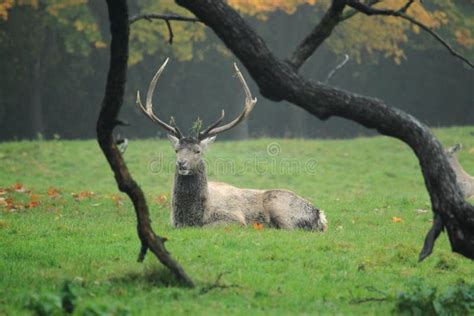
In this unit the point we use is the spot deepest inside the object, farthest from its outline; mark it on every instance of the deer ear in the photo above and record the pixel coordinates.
(207, 141)
(174, 141)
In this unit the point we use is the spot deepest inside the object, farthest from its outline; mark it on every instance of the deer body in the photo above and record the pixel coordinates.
(197, 202)
(464, 179)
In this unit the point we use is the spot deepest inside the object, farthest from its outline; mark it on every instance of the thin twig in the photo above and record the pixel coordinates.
(401, 14)
(354, 300)
(166, 17)
(367, 299)
(339, 66)
(170, 31)
(217, 285)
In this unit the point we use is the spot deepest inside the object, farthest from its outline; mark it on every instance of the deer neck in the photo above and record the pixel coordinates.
(189, 196)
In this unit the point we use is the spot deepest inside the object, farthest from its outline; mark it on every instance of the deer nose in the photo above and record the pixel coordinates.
(181, 164)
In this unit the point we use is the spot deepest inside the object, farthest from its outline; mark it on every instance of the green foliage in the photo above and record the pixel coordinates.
(91, 239)
(197, 127)
(423, 299)
(46, 304)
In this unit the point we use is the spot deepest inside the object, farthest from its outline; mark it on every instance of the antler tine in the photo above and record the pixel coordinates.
(249, 105)
(173, 124)
(203, 134)
(148, 108)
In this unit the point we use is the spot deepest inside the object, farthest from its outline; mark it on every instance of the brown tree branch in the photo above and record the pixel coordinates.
(278, 81)
(107, 121)
(170, 31)
(333, 16)
(166, 17)
(318, 35)
(401, 14)
(349, 14)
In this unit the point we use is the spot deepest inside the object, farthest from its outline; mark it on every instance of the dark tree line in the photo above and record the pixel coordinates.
(280, 80)
(40, 75)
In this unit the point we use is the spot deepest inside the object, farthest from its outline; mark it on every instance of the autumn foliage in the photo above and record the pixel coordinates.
(360, 36)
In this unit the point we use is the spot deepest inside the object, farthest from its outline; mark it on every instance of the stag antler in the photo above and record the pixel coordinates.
(249, 105)
(148, 110)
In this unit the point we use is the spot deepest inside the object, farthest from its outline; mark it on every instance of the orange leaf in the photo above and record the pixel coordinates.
(82, 195)
(258, 226)
(396, 219)
(3, 191)
(53, 192)
(32, 204)
(9, 203)
(35, 197)
(18, 187)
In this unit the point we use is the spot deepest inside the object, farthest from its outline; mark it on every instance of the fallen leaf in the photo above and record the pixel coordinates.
(117, 200)
(3, 191)
(161, 200)
(35, 197)
(9, 204)
(18, 187)
(32, 204)
(258, 226)
(82, 195)
(396, 219)
(53, 193)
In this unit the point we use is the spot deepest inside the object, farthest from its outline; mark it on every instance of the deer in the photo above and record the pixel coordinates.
(197, 202)
(464, 179)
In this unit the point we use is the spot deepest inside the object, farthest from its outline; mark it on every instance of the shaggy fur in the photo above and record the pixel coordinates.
(197, 202)
(464, 179)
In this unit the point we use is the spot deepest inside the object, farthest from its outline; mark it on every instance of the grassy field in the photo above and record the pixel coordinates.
(67, 234)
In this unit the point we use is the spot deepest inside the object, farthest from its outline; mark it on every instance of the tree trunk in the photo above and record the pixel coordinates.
(279, 80)
(36, 100)
(108, 120)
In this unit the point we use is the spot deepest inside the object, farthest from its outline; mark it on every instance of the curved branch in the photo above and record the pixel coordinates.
(278, 81)
(113, 99)
(352, 12)
(319, 34)
(339, 66)
(167, 17)
(401, 14)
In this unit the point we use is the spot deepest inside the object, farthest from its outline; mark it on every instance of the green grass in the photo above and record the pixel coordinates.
(361, 184)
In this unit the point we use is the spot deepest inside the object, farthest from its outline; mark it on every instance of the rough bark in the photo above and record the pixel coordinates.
(113, 99)
(318, 35)
(278, 80)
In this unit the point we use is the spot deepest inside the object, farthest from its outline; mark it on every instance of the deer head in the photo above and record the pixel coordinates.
(190, 149)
